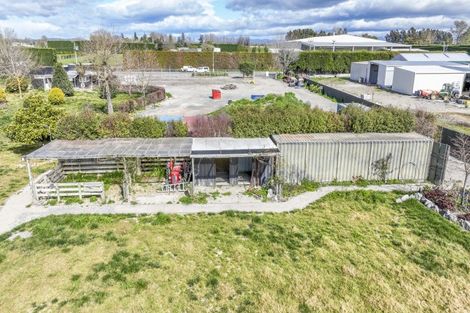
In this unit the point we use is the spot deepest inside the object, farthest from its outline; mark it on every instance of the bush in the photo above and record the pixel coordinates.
(176, 129)
(147, 127)
(280, 115)
(35, 122)
(83, 125)
(3, 96)
(211, 126)
(12, 86)
(247, 68)
(61, 80)
(445, 200)
(56, 96)
(116, 125)
(378, 120)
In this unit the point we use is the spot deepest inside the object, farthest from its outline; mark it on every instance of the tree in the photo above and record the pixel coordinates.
(462, 152)
(102, 47)
(15, 61)
(61, 80)
(382, 167)
(247, 68)
(139, 65)
(36, 121)
(459, 29)
(286, 58)
(366, 35)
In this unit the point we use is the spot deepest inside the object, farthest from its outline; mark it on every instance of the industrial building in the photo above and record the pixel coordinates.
(346, 42)
(442, 69)
(219, 162)
(410, 79)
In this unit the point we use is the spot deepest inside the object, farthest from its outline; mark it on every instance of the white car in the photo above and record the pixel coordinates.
(188, 68)
(202, 69)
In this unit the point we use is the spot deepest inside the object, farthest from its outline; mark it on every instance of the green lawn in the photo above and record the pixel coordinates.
(350, 252)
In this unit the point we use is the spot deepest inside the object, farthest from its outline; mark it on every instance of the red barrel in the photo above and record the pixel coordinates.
(216, 94)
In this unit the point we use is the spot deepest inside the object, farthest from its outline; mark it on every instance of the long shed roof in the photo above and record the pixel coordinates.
(113, 148)
(347, 137)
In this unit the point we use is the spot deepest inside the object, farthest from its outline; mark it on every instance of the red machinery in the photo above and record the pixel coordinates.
(174, 172)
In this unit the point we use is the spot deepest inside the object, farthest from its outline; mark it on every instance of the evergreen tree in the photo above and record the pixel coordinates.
(61, 80)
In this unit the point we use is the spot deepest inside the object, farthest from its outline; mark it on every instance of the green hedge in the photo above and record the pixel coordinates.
(336, 61)
(231, 47)
(43, 56)
(65, 46)
(438, 48)
(222, 60)
(138, 46)
(286, 114)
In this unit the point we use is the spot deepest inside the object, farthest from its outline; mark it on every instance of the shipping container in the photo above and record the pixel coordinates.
(347, 156)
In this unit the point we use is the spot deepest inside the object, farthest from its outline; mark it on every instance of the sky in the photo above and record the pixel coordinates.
(268, 19)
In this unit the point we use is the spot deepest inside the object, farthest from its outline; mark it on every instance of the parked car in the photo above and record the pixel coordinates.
(202, 69)
(188, 68)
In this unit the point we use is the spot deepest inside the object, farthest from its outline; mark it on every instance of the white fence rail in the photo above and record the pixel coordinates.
(59, 190)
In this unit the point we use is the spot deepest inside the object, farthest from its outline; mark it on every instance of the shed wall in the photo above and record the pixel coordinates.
(403, 81)
(204, 172)
(342, 161)
(436, 81)
(359, 71)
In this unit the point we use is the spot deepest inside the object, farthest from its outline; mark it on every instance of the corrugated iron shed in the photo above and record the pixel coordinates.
(347, 137)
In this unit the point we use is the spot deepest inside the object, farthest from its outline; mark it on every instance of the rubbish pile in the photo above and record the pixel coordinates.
(229, 87)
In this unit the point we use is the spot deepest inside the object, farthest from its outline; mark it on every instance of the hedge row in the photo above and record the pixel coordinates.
(231, 47)
(43, 56)
(89, 124)
(336, 61)
(438, 48)
(288, 115)
(222, 60)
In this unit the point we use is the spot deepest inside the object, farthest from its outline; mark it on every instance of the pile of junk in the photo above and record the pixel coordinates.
(177, 176)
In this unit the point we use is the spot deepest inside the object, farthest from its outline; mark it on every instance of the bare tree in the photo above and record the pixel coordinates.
(462, 152)
(15, 61)
(139, 65)
(102, 47)
(286, 58)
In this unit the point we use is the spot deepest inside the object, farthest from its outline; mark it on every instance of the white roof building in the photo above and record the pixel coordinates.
(446, 57)
(347, 42)
(410, 79)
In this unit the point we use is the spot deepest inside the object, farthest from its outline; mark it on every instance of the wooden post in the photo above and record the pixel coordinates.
(57, 191)
(80, 190)
(126, 181)
(31, 180)
(192, 174)
(138, 166)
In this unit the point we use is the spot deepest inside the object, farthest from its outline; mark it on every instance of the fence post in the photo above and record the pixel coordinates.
(80, 190)
(57, 191)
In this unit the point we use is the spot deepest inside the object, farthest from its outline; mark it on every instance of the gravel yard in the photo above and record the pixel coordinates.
(191, 95)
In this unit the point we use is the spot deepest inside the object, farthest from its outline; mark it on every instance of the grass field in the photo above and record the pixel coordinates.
(350, 252)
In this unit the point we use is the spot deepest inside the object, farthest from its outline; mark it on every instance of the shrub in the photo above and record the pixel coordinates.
(61, 80)
(3, 96)
(116, 125)
(211, 126)
(279, 115)
(379, 120)
(176, 129)
(56, 96)
(147, 127)
(83, 125)
(247, 68)
(426, 123)
(35, 122)
(14, 84)
(445, 200)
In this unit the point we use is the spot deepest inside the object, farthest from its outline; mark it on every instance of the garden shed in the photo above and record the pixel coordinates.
(232, 161)
(347, 156)
(104, 156)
